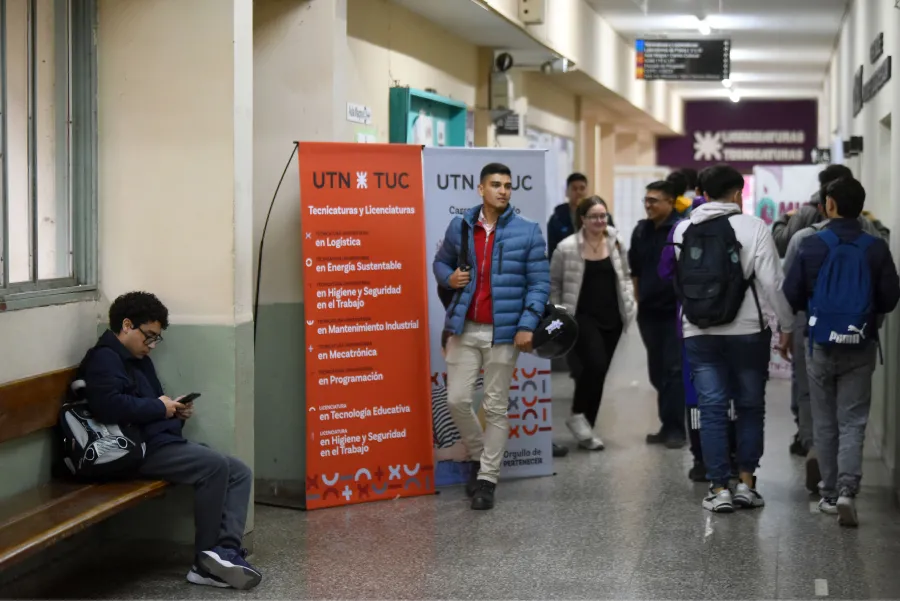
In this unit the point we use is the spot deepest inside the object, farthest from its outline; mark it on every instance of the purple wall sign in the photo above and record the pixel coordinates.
(743, 134)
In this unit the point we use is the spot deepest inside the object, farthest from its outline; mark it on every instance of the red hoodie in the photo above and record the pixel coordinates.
(481, 308)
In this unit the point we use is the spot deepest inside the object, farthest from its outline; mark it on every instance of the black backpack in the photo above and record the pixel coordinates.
(448, 294)
(709, 278)
(93, 451)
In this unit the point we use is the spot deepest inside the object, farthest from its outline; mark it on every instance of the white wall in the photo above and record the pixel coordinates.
(167, 209)
(877, 169)
(390, 44)
(299, 94)
(575, 30)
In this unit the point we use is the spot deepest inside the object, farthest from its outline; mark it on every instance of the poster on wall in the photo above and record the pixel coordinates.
(743, 134)
(451, 187)
(779, 189)
(368, 424)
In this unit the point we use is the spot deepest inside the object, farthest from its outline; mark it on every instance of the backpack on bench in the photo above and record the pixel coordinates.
(91, 450)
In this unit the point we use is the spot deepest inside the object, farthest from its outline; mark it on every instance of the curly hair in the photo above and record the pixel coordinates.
(140, 308)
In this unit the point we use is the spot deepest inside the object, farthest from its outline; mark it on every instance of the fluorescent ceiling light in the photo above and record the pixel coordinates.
(735, 97)
(703, 27)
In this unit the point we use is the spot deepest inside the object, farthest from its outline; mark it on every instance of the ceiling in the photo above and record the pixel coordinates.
(780, 48)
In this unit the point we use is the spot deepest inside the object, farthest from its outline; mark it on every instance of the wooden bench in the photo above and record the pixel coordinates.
(38, 518)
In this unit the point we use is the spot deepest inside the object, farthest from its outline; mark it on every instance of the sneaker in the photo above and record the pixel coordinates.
(583, 432)
(198, 575)
(846, 509)
(658, 438)
(698, 472)
(230, 566)
(559, 450)
(472, 483)
(797, 447)
(746, 497)
(828, 505)
(484, 496)
(675, 442)
(813, 475)
(720, 502)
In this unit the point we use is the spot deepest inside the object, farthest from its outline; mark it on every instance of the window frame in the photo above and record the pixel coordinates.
(83, 158)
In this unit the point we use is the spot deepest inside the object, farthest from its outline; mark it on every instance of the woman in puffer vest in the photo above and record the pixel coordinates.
(589, 277)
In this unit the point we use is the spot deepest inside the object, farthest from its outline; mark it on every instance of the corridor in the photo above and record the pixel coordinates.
(625, 523)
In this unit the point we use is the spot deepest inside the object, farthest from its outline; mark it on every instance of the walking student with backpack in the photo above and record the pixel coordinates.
(845, 280)
(726, 264)
(697, 473)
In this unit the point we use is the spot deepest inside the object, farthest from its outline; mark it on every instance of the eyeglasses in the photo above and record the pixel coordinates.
(150, 339)
(596, 217)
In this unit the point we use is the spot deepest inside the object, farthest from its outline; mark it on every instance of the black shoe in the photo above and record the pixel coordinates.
(484, 496)
(797, 447)
(559, 450)
(472, 484)
(675, 441)
(658, 438)
(698, 472)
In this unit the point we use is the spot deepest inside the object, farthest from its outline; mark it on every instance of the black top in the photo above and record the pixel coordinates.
(122, 389)
(656, 298)
(599, 296)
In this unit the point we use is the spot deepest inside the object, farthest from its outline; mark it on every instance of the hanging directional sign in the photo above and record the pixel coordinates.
(683, 60)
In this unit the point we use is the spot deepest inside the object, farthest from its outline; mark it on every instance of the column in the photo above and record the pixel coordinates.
(300, 61)
(175, 192)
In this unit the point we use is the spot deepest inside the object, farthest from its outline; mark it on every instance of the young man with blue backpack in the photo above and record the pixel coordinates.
(845, 280)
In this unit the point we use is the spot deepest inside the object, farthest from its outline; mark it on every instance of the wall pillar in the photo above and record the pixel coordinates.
(626, 148)
(606, 164)
(300, 61)
(176, 108)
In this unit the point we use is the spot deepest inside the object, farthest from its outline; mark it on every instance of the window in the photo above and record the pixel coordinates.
(48, 207)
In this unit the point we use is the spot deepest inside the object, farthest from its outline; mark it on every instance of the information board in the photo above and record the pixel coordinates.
(368, 385)
(683, 60)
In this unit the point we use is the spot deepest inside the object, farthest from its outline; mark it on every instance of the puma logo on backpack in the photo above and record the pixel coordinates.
(842, 303)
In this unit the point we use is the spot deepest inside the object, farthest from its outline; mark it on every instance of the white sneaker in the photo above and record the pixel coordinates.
(198, 575)
(746, 497)
(720, 502)
(827, 505)
(846, 509)
(583, 433)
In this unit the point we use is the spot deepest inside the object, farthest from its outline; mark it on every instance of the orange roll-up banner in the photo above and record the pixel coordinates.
(368, 384)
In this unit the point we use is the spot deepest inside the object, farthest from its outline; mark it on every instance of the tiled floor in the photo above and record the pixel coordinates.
(624, 523)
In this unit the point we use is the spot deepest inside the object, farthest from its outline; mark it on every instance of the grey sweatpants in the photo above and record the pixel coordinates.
(221, 484)
(840, 388)
(800, 382)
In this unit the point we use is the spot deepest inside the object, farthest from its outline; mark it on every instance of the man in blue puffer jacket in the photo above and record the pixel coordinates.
(499, 302)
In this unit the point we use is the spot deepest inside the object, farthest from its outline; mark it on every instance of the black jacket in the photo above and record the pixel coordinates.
(122, 389)
(656, 297)
(559, 227)
(801, 277)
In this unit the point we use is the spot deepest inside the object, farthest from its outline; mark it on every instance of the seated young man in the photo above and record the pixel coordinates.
(122, 388)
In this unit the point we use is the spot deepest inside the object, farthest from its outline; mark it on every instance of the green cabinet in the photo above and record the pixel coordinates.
(419, 117)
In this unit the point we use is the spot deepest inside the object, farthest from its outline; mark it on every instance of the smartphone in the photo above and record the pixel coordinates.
(190, 398)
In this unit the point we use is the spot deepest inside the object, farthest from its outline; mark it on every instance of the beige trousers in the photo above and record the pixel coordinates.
(467, 355)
